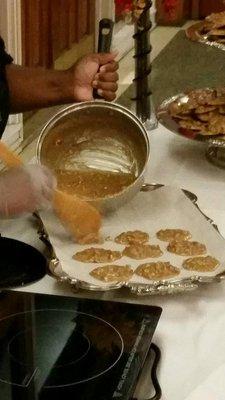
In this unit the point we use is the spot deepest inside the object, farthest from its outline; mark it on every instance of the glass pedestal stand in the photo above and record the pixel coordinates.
(215, 152)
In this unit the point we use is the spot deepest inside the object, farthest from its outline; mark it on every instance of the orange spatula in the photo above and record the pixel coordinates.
(81, 219)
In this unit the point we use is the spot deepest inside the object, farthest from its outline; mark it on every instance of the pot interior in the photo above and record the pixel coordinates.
(95, 151)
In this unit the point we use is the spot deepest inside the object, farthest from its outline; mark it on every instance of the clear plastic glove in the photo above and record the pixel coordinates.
(25, 190)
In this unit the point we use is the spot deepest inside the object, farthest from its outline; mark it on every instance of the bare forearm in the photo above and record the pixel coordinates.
(32, 88)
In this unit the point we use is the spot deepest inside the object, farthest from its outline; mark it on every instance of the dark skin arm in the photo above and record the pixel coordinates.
(32, 88)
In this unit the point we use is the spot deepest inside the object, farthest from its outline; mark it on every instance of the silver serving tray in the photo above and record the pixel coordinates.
(153, 288)
(193, 33)
(166, 120)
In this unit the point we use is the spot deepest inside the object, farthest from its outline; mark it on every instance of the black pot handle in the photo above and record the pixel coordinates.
(104, 41)
(105, 35)
(158, 392)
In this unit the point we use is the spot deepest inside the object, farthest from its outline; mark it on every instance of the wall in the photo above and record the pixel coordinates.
(51, 27)
(10, 28)
(208, 6)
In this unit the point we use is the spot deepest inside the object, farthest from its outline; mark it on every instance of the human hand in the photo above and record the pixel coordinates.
(98, 71)
(25, 189)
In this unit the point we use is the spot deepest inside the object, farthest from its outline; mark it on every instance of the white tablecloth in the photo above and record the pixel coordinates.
(191, 331)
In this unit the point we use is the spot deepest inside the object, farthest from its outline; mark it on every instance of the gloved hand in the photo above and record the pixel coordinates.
(25, 190)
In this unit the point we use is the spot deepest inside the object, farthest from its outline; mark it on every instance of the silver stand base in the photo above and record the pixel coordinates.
(216, 155)
(152, 122)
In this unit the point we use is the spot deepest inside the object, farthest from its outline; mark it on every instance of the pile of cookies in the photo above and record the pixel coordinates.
(137, 248)
(211, 29)
(201, 111)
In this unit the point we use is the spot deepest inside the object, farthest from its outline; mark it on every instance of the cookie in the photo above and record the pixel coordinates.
(132, 237)
(157, 270)
(204, 109)
(217, 32)
(97, 255)
(112, 273)
(217, 20)
(217, 124)
(222, 110)
(186, 248)
(192, 124)
(206, 117)
(201, 264)
(169, 235)
(142, 251)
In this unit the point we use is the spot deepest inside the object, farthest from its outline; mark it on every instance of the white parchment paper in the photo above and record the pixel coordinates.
(167, 207)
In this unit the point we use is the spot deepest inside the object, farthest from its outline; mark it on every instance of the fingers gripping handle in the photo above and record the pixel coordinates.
(104, 41)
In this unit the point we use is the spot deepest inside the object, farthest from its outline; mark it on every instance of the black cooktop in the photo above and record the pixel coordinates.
(54, 347)
(21, 264)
